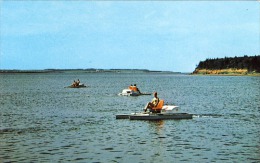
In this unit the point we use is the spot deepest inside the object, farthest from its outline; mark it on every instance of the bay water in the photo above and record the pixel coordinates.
(41, 121)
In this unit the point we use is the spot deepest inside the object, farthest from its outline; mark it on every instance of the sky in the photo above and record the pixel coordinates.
(155, 35)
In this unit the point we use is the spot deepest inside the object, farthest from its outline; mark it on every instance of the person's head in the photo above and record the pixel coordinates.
(134, 84)
(155, 94)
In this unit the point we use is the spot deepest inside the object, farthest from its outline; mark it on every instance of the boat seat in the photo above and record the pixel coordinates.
(159, 106)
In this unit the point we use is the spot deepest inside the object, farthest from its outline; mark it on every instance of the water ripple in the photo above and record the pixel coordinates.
(43, 122)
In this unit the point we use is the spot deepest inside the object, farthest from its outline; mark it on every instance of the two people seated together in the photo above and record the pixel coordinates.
(155, 105)
(75, 83)
(134, 88)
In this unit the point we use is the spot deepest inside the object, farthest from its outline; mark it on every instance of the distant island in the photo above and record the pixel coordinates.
(246, 65)
(89, 70)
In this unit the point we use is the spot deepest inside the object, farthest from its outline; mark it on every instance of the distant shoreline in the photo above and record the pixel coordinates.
(87, 71)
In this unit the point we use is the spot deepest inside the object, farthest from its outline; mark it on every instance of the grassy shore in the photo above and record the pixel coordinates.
(225, 72)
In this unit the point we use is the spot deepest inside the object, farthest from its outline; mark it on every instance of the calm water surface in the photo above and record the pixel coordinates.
(41, 121)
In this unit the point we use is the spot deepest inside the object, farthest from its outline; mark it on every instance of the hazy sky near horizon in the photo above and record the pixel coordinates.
(154, 35)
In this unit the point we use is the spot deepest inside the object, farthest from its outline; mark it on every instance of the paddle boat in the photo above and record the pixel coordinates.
(81, 85)
(129, 92)
(163, 112)
(132, 90)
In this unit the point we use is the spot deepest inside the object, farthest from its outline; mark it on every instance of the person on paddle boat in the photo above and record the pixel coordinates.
(74, 84)
(130, 87)
(153, 103)
(136, 89)
(77, 82)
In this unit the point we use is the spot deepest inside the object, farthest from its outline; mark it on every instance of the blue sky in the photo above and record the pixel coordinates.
(154, 35)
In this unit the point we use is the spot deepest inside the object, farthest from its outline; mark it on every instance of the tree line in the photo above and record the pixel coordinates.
(251, 63)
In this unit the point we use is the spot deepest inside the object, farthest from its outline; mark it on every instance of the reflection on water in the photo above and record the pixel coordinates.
(156, 126)
(41, 121)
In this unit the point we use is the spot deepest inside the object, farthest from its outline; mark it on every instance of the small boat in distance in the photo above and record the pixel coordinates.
(129, 92)
(76, 84)
(81, 85)
(132, 90)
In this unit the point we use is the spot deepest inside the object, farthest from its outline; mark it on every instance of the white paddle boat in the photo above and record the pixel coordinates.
(163, 112)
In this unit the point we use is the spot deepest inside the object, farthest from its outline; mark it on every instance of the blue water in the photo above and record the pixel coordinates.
(41, 121)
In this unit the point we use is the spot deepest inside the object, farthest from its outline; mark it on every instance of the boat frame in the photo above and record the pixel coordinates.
(154, 116)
